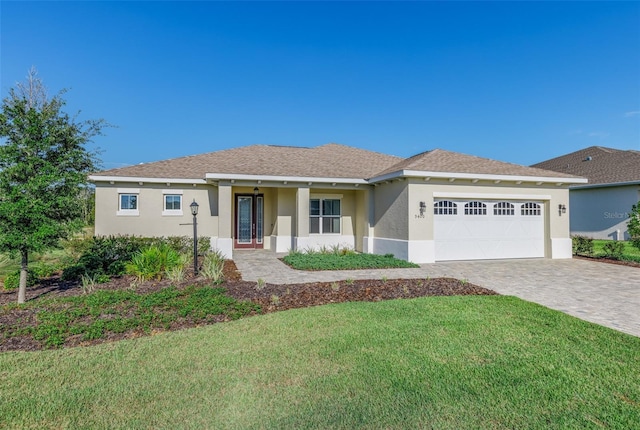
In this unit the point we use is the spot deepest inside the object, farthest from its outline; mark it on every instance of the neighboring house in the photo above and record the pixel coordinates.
(437, 205)
(601, 208)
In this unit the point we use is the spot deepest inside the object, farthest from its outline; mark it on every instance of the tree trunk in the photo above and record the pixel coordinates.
(24, 267)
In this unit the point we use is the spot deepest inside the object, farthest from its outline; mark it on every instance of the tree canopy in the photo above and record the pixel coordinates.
(44, 165)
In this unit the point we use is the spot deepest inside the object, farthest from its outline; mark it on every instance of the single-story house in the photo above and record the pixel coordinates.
(434, 206)
(600, 209)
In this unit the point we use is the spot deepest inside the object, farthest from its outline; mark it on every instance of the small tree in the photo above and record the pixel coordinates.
(633, 226)
(43, 171)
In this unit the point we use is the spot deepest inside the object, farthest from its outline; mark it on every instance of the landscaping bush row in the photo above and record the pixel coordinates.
(615, 250)
(343, 261)
(97, 259)
(110, 255)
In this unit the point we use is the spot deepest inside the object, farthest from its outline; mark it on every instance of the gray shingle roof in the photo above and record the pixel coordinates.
(326, 161)
(439, 160)
(598, 164)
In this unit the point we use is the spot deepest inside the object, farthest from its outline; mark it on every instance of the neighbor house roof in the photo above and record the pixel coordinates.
(439, 160)
(598, 164)
(326, 161)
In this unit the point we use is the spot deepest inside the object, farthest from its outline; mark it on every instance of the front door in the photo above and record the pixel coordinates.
(249, 221)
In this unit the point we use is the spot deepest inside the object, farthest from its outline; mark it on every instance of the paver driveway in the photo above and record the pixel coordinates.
(605, 294)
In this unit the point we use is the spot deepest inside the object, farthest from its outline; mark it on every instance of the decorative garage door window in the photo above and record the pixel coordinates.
(475, 208)
(530, 208)
(445, 207)
(504, 208)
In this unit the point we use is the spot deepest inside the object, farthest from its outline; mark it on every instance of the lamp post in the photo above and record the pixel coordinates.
(194, 211)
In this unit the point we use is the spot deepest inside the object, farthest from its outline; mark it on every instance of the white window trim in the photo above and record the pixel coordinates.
(128, 212)
(322, 197)
(172, 212)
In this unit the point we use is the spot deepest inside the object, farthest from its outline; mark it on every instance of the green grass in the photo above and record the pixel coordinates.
(440, 362)
(8, 264)
(350, 261)
(95, 315)
(629, 250)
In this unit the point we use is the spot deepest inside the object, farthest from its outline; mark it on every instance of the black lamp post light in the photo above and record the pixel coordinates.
(194, 211)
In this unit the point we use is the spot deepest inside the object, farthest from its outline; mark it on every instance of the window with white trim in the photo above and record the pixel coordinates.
(530, 209)
(445, 207)
(128, 202)
(172, 202)
(475, 208)
(324, 216)
(504, 208)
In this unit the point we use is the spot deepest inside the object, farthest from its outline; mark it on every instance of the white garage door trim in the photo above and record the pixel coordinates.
(476, 229)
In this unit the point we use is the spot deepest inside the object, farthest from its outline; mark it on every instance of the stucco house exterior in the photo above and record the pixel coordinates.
(434, 206)
(600, 209)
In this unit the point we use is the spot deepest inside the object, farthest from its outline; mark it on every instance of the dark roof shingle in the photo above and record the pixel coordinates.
(326, 161)
(598, 164)
(440, 160)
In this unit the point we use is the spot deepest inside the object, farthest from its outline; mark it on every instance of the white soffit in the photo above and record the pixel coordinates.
(98, 178)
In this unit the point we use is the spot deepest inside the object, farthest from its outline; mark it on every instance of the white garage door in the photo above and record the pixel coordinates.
(483, 230)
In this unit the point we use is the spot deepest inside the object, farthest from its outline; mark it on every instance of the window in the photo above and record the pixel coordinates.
(128, 202)
(445, 207)
(504, 208)
(324, 216)
(172, 202)
(475, 208)
(530, 209)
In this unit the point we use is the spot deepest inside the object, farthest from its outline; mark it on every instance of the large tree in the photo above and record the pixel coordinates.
(44, 164)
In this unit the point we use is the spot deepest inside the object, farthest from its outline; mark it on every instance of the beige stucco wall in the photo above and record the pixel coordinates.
(364, 212)
(556, 225)
(391, 206)
(150, 221)
(422, 228)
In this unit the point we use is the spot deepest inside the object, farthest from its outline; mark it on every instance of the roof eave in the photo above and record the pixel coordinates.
(478, 176)
(612, 184)
(277, 178)
(99, 178)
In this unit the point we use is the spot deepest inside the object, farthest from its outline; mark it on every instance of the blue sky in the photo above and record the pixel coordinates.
(514, 81)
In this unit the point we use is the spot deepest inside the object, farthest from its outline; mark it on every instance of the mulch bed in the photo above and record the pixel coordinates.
(271, 297)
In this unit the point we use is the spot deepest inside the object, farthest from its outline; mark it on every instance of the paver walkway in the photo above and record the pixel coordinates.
(606, 294)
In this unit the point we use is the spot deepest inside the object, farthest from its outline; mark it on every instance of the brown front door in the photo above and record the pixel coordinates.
(249, 222)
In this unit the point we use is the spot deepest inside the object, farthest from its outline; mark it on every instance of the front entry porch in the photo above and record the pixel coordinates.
(283, 217)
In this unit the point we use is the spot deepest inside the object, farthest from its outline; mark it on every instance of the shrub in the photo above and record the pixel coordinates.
(213, 266)
(176, 273)
(153, 262)
(110, 255)
(613, 249)
(35, 274)
(12, 281)
(582, 245)
(633, 226)
(106, 256)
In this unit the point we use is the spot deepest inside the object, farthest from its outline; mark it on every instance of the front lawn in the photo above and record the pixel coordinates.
(629, 249)
(347, 261)
(437, 362)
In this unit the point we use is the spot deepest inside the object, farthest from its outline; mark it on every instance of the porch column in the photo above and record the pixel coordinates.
(225, 220)
(369, 207)
(302, 218)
